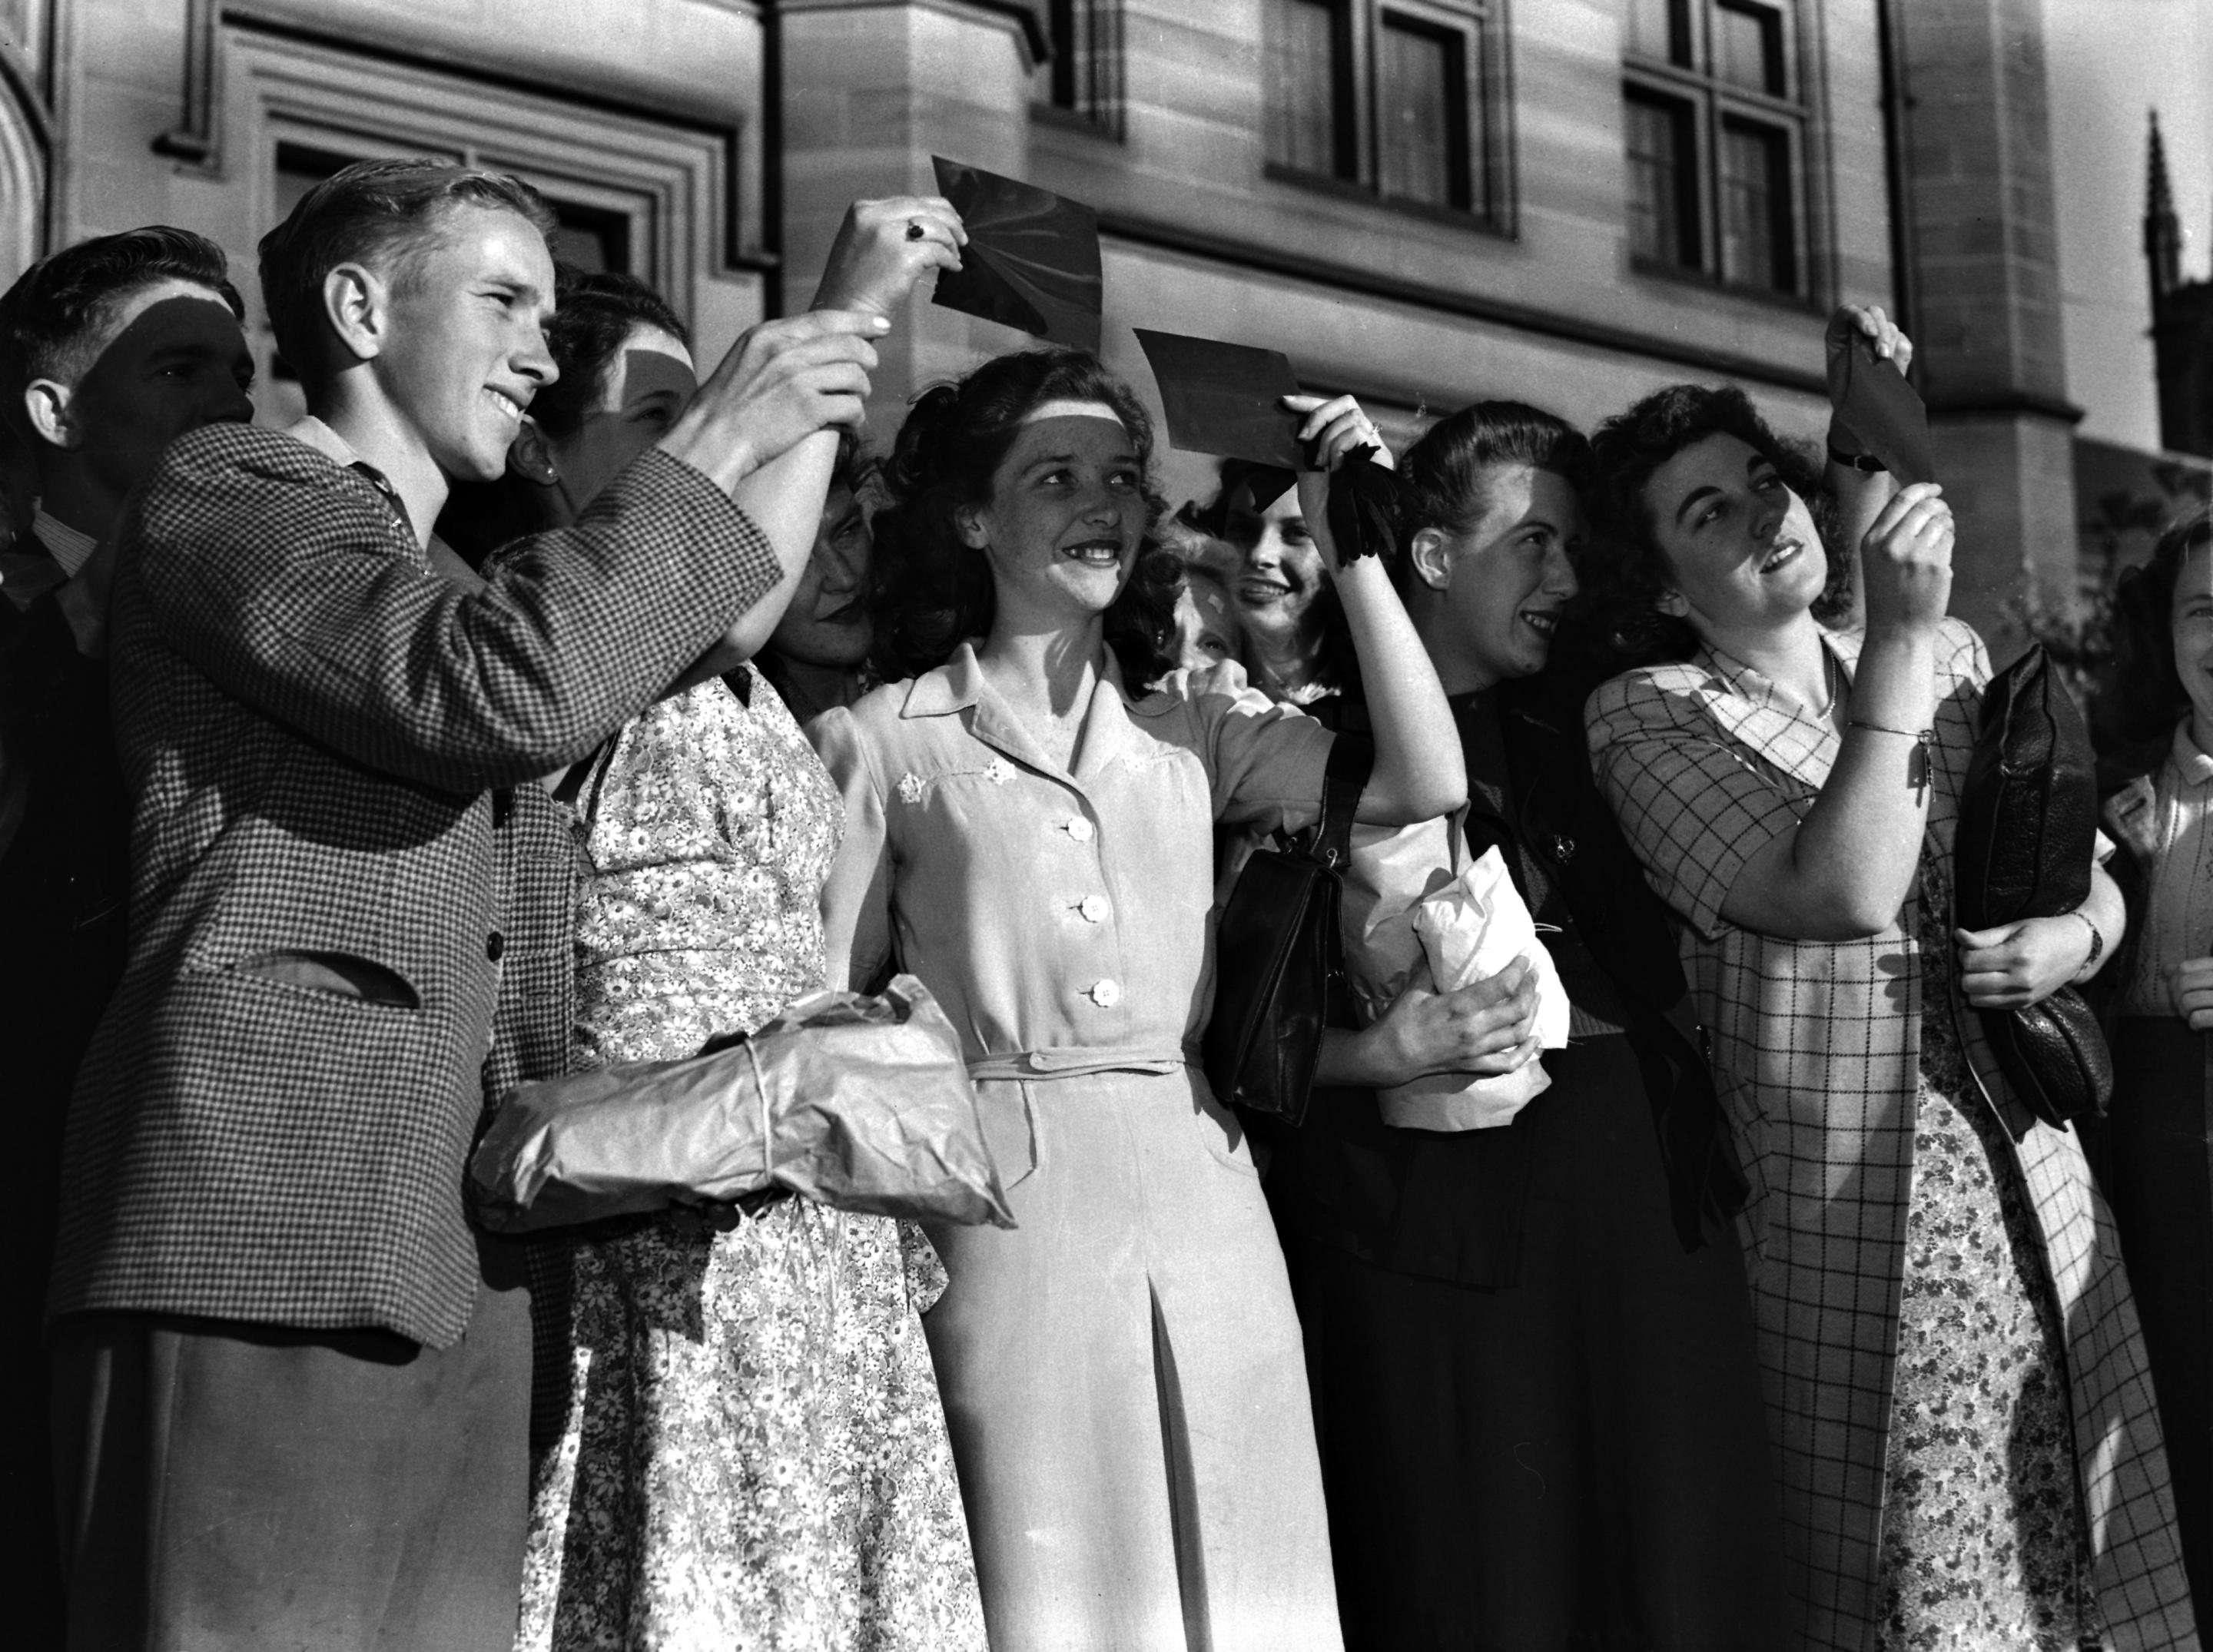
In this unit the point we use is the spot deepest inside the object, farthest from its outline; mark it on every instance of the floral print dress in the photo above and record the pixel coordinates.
(1982, 1539)
(755, 1456)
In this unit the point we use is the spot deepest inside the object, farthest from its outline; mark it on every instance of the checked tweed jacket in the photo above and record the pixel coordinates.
(319, 735)
(1816, 1050)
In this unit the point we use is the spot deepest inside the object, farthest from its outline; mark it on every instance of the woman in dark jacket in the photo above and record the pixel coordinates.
(1532, 1346)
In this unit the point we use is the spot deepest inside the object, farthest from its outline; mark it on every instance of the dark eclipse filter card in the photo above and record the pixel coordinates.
(1226, 400)
(1032, 260)
(1887, 414)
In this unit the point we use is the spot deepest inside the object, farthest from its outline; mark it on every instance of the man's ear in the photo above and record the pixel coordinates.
(1674, 602)
(530, 456)
(356, 303)
(47, 406)
(1431, 558)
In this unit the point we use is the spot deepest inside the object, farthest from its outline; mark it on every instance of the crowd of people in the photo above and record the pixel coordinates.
(535, 703)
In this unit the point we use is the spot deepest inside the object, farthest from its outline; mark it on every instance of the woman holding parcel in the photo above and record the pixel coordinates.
(1034, 838)
(755, 1458)
(1967, 1452)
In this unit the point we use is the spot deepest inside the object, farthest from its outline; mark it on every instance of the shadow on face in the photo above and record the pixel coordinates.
(177, 360)
(648, 384)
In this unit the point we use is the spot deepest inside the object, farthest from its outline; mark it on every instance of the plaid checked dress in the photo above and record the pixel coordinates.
(1868, 1180)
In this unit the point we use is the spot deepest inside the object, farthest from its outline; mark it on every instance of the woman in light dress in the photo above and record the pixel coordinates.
(754, 1456)
(1033, 835)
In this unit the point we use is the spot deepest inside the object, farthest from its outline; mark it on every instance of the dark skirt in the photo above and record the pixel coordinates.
(1579, 1461)
(2160, 1182)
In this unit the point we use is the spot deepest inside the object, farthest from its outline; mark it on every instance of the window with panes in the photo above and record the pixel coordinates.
(1393, 98)
(1083, 78)
(1715, 134)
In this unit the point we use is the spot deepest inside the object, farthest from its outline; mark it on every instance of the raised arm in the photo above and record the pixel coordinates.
(1843, 870)
(1860, 493)
(883, 249)
(1419, 772)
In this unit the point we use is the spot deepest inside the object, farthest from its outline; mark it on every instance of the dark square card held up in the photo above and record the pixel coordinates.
(1886, 413)
(1032, 260)
(1226, 400)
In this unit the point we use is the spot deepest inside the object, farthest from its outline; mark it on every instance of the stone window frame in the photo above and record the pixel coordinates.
(1687, 79)
(1484, 135)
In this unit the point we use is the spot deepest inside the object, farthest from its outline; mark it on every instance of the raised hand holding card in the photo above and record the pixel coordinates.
(1032, 259)
(1885, 413)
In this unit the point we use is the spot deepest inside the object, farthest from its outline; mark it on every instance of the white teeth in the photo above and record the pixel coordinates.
(1542, 624)
(507, 405)
(1783, 552)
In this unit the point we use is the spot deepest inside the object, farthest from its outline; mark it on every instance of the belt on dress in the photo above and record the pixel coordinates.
(1079, 1061)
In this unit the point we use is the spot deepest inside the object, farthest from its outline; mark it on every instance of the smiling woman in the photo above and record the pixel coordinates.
(1033, 835)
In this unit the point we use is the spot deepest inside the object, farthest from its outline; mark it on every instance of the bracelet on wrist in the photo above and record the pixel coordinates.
(2097, 944)
(1916, 770)
(1866, 463)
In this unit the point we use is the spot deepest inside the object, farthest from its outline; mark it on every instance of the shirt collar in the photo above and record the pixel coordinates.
(1755, 685)
(71, 547)
(336, 448)
(2192, 766)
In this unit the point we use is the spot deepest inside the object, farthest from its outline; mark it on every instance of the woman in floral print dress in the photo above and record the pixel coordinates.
(1968, 1457)
(754, 1455)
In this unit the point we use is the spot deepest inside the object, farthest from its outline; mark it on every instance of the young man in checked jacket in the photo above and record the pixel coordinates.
(291, 1383)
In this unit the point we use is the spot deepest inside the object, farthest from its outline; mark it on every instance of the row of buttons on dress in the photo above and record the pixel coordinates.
(1094, 910)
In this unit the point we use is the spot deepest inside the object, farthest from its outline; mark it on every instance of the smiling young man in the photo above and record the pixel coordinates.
(108, 351)
(292, 1383)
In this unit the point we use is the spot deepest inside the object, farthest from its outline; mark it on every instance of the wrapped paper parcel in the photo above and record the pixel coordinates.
(859, 1103)
(1410, 921)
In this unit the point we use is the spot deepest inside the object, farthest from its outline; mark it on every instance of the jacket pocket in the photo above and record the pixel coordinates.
(336, 973)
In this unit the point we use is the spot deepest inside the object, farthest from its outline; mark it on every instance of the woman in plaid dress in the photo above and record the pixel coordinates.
(1967, 1449)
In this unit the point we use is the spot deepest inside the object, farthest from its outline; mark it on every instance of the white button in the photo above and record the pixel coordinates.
(1093, 908)
(1107, 994)
(1080, 829)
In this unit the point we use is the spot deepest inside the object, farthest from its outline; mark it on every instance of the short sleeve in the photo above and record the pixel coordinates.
(1263, 761)
(856, 909)
(1691, 803)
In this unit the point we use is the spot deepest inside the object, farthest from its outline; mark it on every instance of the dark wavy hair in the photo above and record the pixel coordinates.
(929, 591)
(1444, 478)
(1624, 570)
(2145, 698)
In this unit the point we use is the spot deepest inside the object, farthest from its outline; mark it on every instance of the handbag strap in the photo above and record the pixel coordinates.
(1351, 757)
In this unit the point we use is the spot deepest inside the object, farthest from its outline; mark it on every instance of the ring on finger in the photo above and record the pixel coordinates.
(914, 229)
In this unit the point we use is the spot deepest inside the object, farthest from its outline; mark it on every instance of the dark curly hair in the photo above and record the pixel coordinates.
(927, 591)
(2146, 698)
(1624, 571)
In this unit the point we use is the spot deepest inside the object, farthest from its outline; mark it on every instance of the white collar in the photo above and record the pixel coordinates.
(2192, 766)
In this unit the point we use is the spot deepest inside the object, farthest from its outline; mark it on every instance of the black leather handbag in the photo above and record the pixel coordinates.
(2028, 817)
(1277, 950)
